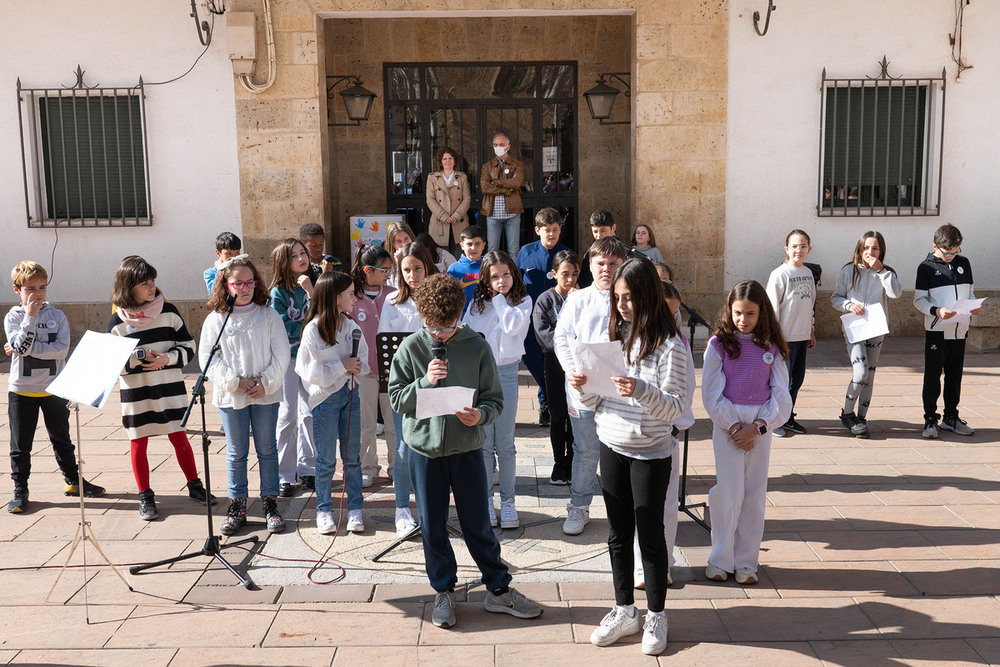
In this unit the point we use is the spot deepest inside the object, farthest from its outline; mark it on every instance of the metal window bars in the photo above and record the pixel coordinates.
(84, 155)
(881, 145)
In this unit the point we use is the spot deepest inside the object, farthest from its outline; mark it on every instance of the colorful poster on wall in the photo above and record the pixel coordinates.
(368, 229)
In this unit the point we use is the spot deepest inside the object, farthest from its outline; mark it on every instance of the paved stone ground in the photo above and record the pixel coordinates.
(876, 552)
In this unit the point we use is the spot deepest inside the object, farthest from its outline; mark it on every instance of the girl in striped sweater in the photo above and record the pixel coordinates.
(153, 395)
(634, 428)
(744, 388)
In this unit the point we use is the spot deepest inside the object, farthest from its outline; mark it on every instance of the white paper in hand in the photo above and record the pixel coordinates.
(600, 362)
(865, 327)
(90, 373)
(963, 309)
(441, 401)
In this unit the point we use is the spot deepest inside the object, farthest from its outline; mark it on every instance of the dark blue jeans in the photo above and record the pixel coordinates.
(464, 476)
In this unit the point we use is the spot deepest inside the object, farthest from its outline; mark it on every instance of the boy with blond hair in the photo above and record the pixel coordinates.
(38, 343)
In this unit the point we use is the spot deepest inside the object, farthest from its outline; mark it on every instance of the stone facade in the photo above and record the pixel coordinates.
(675, 180)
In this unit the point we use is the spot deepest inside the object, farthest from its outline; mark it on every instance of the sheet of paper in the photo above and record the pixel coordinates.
(863, 327)
(963, 309)
(92, 370)
(440, 401)
(600, 362)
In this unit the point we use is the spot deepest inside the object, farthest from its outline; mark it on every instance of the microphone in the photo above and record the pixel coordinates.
(355, 341)
(437, 349)
(230, 302)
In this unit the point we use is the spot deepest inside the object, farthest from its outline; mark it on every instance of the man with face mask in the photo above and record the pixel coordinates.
(500, 181)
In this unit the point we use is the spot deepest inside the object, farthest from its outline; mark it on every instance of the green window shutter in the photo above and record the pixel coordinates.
(94, 165)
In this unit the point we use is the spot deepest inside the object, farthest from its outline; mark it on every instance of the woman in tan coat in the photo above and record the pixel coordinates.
(448, 199)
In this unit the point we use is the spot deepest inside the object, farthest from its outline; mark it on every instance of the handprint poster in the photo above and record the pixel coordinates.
(368, 229)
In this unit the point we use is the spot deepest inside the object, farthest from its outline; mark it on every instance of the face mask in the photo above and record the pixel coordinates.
(500, 150)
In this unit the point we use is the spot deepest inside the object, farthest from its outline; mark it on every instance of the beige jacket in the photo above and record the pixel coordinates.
(445, 201)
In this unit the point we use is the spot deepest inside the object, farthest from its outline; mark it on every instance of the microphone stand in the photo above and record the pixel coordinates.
(694, 319)
(212, 547)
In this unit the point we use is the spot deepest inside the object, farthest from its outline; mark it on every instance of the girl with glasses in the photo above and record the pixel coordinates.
(247, 374)
(371, 268)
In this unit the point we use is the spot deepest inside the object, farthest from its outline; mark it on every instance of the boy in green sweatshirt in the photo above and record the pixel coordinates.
(446, 456)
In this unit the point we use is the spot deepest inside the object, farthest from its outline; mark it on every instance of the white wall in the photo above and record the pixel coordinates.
(191, 127)
(773, 143)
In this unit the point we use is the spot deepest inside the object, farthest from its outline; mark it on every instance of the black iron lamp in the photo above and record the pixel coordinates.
(357, 99)
(601, 98)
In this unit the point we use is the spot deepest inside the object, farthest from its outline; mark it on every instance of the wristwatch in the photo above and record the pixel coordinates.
(761, 428)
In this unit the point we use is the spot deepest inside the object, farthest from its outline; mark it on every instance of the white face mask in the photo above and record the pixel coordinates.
(500, 150)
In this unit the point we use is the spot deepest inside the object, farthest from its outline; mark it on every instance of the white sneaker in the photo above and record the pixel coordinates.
(713, 573)
(367, 479)
(355, 524)
(404, 522)
(493, 514)
(508, 515)
(324, 523)
(379, 428)
(614, 626)
(654, 633)
(576, 519)
(746, 576)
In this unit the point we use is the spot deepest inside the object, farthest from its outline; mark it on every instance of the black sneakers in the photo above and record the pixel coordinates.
(89, 490)
(544, 416)
(19, 501)
(198, 493)
(856, 425)
(147, 505)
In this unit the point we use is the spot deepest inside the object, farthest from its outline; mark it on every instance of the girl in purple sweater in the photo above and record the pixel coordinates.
(745, 392)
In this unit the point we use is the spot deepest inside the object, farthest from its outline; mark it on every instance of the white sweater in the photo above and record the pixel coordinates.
(254, 345)
(401, 317)
(503, 325)
(640, 425)
(321, 366)
(792, 292)
(584, 319)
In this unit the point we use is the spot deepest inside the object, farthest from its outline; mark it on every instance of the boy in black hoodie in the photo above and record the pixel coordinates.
(942, 279)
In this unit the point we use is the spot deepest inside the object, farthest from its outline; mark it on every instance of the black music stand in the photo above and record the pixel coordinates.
(386, 345)
(694, 319)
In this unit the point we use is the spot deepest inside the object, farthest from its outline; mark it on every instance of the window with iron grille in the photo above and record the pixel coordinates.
(881, 145)
(84, 156)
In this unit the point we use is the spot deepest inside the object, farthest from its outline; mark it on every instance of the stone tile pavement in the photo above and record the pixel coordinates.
(877, 552)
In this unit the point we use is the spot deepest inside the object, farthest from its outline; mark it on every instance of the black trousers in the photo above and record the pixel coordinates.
(634, 493)
(796, 368)
(22, 411)
(941, 354)
(560, 427)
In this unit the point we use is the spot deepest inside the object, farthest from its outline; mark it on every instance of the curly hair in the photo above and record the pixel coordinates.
(765, 334)
(440, 300)
(484, 292)
(217, 301)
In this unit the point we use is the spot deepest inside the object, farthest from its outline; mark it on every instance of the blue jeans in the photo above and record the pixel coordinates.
(338, 417)
(500, 437)
(401, 471)
(463, 476)
(262, 419)
(586, 455)
(512, 226)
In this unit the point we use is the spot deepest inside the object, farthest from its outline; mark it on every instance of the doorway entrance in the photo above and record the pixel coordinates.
(462, 105)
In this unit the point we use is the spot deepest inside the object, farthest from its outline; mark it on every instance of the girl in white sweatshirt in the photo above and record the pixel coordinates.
(246, 375)
(329, 372)
(501, 311)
